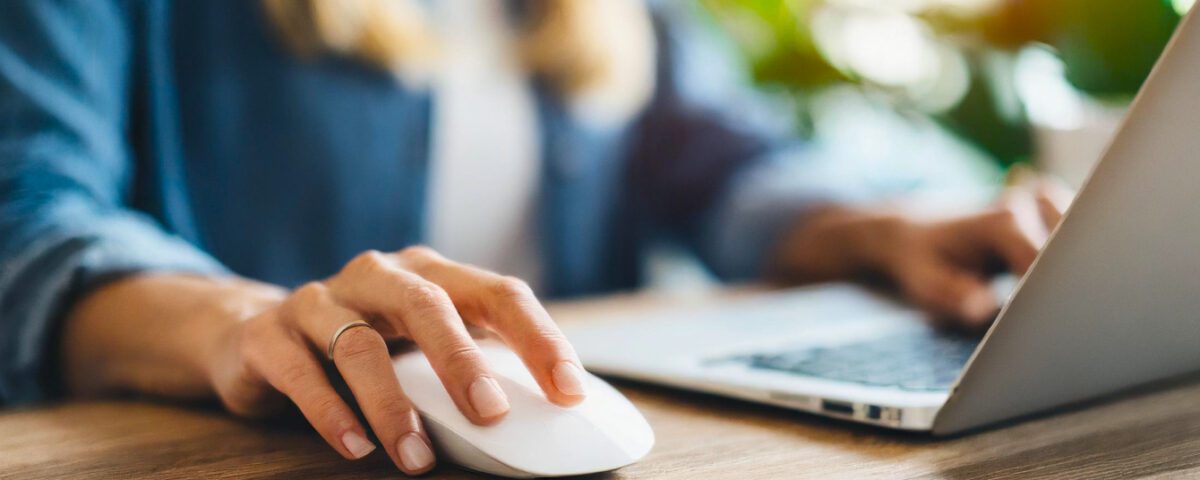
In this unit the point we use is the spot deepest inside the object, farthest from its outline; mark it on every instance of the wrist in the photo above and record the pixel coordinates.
(838, 243)
(153, 333)
(219, 322)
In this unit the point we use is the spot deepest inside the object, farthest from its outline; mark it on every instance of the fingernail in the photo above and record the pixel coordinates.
(569, 379)
(415, 454)
(358, 445)
(487, 398)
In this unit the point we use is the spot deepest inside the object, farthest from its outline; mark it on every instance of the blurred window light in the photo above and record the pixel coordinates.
(945, 90)
(890, 49)
(1182, 6)
(1049, 99)
(913, 6)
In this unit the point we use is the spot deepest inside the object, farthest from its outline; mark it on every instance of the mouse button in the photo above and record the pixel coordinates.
(425, 389)
(504, 362)
(533, 433)
(463, 453)
(617, 418)
(604, 409)
(546, 439)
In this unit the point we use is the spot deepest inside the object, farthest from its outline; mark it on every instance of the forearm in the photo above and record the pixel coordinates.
(834, 243)
(154, 333)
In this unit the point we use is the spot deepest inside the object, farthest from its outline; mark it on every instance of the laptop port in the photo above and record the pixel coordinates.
(841, 408)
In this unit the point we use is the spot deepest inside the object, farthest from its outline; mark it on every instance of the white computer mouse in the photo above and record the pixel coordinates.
(537, 438)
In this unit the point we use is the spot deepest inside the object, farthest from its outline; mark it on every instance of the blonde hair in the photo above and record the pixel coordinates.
(597, 53)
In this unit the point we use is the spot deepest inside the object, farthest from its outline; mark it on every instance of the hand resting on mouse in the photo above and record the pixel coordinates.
(258, 347)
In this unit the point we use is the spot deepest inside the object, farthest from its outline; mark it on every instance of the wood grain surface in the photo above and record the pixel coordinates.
(1154, 433)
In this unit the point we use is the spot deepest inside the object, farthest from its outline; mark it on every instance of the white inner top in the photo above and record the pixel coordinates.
(485, 168)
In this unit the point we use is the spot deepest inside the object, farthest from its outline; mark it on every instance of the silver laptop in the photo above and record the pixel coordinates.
(1112, 302)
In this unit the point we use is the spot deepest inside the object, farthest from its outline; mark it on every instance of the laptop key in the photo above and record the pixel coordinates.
(922, 361)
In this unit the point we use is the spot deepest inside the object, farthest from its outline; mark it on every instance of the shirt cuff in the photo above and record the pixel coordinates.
(39, 283)
(760, 206)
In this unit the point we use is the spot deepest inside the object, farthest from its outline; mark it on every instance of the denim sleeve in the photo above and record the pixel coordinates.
(64, 175)
(710, 158)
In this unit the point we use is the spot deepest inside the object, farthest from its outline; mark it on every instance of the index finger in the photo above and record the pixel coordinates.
(1016, 231)
(1053, 198)
(380, 286)
(508, 306)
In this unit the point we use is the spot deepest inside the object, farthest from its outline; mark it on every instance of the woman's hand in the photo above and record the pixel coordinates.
(414, 294)
(942, 266)
(260, 354)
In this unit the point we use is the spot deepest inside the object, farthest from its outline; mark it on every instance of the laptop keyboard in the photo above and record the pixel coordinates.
(924, 361)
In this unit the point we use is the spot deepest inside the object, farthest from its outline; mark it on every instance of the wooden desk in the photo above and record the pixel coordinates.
(1154, 434)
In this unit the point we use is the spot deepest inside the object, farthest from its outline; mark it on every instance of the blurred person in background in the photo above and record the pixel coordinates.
(196, 196)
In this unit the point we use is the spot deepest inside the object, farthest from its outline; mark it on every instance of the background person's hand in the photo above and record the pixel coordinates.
(942, 266)
(259, 348)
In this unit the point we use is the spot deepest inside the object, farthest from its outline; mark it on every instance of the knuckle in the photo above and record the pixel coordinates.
(418, 253)
(551, 341)
(309, 293)
(550, 335)
(1004, 215)
(369, 260)
(511, 288)
(424, 296)
(305, 299)
(462, 358)
(391, 406)
(358, 344)
(328, 409)
(294, 376)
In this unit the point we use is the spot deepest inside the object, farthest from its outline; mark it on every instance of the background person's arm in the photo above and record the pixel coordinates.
(709, 167)
(943, 266)
(704, 154)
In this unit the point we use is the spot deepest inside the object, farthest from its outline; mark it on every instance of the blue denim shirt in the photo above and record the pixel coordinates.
(158, 136)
